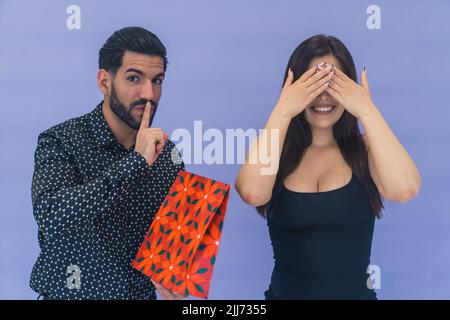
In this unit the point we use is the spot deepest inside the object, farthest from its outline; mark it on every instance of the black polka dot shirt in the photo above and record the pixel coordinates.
(93, 201)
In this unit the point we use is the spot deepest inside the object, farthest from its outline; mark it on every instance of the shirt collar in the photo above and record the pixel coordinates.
(99, 127)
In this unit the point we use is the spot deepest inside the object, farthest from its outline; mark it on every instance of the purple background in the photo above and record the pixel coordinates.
(226, 66)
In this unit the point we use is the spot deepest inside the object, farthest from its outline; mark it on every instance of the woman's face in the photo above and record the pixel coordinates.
(324, 119)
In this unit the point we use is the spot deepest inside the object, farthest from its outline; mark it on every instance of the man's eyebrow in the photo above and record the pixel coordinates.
(135, 70)
(142, 73)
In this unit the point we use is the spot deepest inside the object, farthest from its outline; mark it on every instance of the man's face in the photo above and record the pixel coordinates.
(138, 80)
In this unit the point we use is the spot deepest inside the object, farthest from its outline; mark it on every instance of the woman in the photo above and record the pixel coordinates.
(322, 202)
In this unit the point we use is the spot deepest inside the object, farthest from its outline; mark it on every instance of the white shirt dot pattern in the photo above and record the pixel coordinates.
(93, 201)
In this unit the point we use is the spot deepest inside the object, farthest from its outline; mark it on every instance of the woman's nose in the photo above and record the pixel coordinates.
(324, 96)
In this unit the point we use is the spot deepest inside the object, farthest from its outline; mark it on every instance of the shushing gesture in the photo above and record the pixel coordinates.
(149, 141)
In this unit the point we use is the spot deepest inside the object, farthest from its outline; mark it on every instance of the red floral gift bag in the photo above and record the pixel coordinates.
(180, 248)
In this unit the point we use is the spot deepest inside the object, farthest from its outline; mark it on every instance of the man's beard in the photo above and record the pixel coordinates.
(124, 113)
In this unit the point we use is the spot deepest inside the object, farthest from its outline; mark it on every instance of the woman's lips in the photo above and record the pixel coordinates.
(323, 110)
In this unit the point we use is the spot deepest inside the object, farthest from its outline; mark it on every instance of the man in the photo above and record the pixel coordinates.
(100, 178)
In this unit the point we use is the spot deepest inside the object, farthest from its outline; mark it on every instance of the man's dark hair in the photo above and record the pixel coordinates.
(135, 39)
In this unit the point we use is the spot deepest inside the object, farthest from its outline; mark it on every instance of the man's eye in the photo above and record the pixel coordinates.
(133, 78)
(158, 81)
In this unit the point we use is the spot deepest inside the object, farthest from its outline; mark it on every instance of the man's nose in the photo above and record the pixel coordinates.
(148, 91)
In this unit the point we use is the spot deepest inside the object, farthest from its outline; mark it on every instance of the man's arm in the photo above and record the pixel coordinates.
(61, 200)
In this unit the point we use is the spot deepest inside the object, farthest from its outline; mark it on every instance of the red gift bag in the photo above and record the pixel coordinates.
(180, 248)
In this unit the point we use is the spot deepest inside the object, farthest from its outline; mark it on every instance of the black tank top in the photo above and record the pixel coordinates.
(321, 243)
